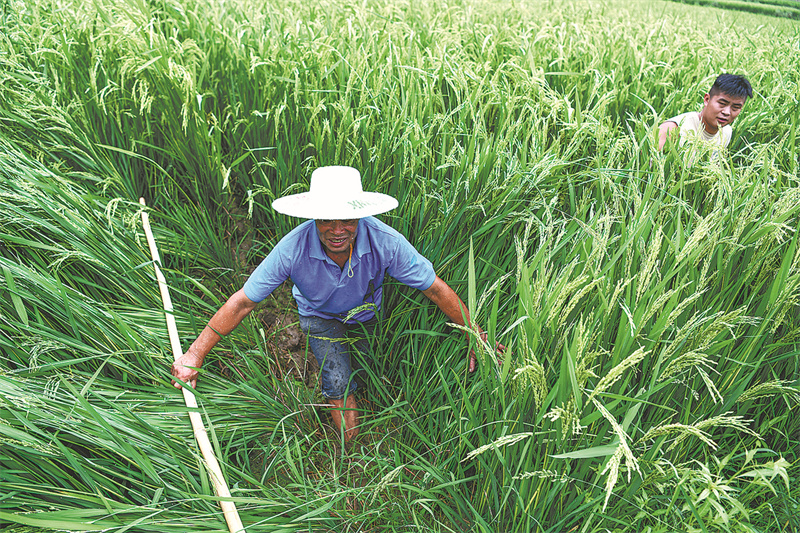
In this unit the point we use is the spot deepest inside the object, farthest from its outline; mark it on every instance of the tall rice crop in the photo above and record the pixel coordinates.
(649, 301)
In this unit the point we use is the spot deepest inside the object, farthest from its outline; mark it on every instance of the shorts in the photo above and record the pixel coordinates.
(332, 342)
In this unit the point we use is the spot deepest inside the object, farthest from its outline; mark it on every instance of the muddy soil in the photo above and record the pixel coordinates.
(285, 339)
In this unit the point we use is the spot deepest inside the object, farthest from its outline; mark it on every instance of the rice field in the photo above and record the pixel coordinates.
(649, 301)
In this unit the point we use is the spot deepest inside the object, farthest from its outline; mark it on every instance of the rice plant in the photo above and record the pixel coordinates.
(648, 300)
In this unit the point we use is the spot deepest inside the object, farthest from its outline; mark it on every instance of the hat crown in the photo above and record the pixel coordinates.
(335, 182)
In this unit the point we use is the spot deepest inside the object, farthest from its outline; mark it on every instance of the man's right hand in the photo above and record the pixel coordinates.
(664, 132)
(184, 370)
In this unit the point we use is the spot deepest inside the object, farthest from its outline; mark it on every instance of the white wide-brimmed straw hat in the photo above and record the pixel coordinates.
(335, 194)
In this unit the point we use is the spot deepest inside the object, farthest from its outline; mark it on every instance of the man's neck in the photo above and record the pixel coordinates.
(340, 258)
(708, 128)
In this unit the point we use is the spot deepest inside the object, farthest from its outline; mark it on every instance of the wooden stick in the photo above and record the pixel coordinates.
(220, 486)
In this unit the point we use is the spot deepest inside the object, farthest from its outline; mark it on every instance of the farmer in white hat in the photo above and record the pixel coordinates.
(337, 262)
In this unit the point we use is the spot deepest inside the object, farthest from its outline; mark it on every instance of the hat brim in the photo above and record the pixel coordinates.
(307, 205)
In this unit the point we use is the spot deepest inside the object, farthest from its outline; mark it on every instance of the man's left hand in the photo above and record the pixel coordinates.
(473, 361)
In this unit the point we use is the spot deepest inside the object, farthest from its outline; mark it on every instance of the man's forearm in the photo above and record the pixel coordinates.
(448, 301)
(204, 343)
(221, 324)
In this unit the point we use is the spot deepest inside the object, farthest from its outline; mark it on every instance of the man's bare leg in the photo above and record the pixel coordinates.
(349, 411)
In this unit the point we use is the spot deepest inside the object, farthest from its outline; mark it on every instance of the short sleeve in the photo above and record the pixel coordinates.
(273, 270)
(675, 120)
(410, 267)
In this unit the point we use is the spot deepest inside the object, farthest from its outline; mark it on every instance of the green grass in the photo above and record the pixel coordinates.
(649, 301)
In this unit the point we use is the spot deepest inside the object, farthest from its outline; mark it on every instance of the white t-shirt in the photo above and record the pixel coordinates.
(691, 128)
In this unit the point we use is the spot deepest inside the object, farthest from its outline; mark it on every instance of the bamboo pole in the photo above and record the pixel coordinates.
(220, 486)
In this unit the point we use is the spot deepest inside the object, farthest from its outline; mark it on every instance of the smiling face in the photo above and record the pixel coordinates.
(720, 110)
(337, 236)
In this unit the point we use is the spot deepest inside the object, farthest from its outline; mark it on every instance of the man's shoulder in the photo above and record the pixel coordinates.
(690, 118)
(382, 237)
(379, 228)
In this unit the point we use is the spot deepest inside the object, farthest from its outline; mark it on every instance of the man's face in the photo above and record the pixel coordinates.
(337, 235)
(720, 110)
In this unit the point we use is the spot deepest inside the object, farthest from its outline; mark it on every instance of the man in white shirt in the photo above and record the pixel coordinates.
(721, 105)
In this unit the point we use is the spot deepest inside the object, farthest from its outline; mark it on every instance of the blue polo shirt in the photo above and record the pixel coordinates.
(323, 289)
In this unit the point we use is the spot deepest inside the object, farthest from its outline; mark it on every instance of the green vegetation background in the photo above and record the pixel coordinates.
(649, 301)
